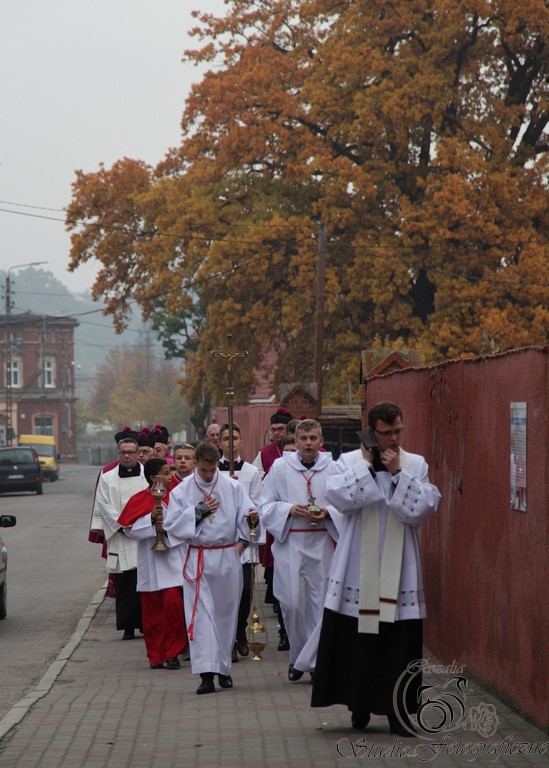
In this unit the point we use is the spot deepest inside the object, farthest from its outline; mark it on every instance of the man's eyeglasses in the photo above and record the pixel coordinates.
(126, 453)
(390, 432)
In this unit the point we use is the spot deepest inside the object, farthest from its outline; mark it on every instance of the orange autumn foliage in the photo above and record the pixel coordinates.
(416, 131)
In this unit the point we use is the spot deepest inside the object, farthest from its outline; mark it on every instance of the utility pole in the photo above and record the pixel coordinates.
(320, 291)
(42, 375)
(8, 436)
(65, 389)
(8, 356)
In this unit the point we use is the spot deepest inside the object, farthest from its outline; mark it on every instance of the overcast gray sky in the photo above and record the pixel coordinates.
(82, 82)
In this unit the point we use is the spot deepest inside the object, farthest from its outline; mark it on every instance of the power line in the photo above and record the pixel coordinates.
(64, 210)
(32, 215)
(68, 295)
(275, 241)
(81, 343)
(126, 330)
(26, 205)
(137, 233)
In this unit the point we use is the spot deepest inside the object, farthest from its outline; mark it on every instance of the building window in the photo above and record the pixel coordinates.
(15, 377)
(49, 379)
(43, 425)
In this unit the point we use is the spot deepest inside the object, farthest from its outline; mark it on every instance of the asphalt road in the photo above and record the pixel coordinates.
(53, 573)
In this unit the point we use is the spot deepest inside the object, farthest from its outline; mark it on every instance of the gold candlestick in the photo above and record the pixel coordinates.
(252, 525)
(158, 492)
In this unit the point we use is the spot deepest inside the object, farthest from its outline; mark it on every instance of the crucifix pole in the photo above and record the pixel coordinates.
(229, 356)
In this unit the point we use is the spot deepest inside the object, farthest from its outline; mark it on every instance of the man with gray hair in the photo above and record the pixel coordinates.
(212, 434)
(305, 528)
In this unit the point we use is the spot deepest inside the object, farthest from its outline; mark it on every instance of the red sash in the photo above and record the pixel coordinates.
(196, 580)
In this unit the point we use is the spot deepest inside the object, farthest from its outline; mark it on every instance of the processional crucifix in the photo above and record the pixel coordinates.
(229, 357)
(257, 632)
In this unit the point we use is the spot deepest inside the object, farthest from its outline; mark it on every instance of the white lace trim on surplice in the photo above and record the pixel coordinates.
(344, 594)
(354, 486)
(411, 496)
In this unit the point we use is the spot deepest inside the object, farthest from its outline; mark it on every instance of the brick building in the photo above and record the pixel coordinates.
(38, 396)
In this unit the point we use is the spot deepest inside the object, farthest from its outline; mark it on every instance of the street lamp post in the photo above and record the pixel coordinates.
(9, 394)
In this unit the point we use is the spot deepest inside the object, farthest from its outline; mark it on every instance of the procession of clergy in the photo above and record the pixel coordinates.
(340, 540)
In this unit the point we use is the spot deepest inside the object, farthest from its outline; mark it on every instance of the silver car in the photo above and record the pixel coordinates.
(6, 521)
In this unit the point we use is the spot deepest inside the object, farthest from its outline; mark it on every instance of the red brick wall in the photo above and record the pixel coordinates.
(300, 406)
(55, 341)
(485, 565)
(254, 421)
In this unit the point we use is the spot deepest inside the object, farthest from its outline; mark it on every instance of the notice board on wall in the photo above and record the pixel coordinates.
(518, 485)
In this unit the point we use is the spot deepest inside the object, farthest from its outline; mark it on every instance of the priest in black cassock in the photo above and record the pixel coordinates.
(372, 623)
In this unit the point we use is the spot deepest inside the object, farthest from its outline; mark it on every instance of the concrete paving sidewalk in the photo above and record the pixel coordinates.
(100, 706)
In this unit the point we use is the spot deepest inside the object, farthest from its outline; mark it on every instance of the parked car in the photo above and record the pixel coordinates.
(44, 445)
(20, 470)
(6, 521)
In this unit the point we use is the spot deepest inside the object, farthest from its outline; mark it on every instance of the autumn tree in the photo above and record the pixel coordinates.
(134, 386)
(416, 131)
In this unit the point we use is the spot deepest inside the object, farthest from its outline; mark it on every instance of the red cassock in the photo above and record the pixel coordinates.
(162, 608)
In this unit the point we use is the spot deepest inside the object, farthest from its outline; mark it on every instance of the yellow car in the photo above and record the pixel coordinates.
(44, 445)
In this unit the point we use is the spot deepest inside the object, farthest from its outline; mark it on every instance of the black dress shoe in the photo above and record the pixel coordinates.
(173, 663)
(397, 728)
(129, 634)
(234, 655)
(294, 674)
(284, 644)
(156, 666)
(207, 684)
(225, 681)
(360, 720)
(242, 646)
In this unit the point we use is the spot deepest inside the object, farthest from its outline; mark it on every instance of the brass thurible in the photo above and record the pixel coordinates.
(257, 632)
(257, 636)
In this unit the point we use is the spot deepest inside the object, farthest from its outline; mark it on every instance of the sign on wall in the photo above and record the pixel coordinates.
(519, 414)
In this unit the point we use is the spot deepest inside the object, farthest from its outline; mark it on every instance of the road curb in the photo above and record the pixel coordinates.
(19, 710)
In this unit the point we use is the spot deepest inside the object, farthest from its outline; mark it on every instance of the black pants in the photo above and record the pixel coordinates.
(269, 576)
(128, 601)
(245, 600)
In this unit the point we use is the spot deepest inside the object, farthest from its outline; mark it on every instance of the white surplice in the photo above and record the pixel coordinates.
(212, 598)
(412, 499)
(155, 570)
(347, 460)
(302, 551)
(250, 479)
(113, 493)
